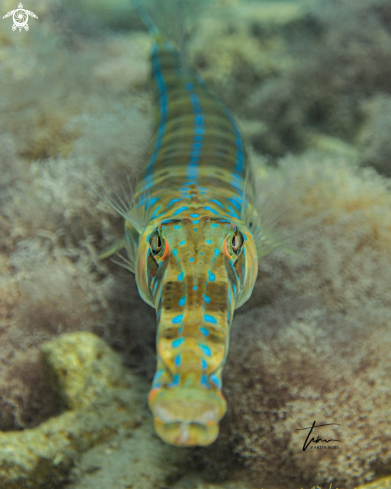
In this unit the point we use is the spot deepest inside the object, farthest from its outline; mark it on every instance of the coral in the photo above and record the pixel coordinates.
(102, 399)
(236, 49)
(51, 280)
(37, 128)
(313, 342)
(91, 78)
(338, 52)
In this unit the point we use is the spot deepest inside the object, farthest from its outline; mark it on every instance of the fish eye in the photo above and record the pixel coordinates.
(156, 243)
(237, 242)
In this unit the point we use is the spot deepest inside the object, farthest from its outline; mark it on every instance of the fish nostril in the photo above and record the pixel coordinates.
(170, 333)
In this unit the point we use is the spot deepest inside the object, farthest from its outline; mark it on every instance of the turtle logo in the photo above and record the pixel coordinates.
(20, 17)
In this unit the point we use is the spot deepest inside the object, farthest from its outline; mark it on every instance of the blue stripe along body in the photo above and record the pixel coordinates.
(194, 256)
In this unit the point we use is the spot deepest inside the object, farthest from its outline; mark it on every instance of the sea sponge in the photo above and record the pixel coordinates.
(314, 340)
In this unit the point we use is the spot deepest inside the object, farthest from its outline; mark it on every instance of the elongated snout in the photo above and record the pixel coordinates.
(187, 416)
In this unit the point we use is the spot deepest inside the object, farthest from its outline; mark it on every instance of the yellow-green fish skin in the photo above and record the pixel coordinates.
(189, 240)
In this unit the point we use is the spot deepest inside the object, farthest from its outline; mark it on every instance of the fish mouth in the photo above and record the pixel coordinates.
(187, 417)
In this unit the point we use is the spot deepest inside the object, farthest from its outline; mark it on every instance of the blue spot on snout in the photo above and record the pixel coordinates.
(204, 331)
(212, 276)
(177, 342)
(210, 319)
(177, 319)
(206, 350)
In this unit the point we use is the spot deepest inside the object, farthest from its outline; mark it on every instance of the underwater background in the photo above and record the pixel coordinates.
(310, 85)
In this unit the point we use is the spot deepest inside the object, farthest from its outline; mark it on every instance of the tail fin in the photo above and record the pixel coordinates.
(146, 18)
(173, 10)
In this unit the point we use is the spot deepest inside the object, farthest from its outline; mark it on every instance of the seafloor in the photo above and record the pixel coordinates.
(310, 83)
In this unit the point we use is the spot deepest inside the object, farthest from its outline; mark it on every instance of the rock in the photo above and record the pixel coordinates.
(102, 399)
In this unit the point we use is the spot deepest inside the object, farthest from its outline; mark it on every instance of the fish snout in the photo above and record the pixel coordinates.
(187, 416)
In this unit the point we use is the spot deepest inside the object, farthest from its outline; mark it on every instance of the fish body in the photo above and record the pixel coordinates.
(194, 252)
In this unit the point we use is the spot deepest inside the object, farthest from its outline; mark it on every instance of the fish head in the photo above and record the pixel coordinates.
(195, 250)
(195, 272)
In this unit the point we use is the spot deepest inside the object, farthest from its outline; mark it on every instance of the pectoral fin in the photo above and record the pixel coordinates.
(113, 248)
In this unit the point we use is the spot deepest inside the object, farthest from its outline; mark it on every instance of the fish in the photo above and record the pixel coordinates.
(193, 237)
